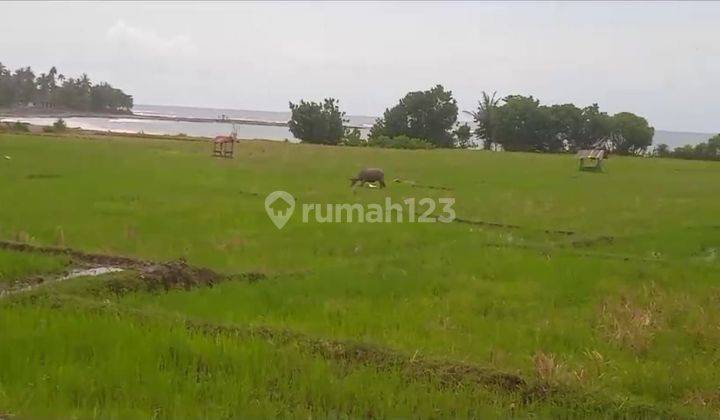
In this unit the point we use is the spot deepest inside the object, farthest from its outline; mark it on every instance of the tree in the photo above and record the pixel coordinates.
(314, 122)
(631, 134)
(428, 115)
(685, 152)
(24, 85)
(713, 148)
(46, 85)
(7, 90)
(485, 118)
(662, 150)
(709, 150)
(463, 136)
(24, 88)
(521, 124)
(569, 125)
(104, 97)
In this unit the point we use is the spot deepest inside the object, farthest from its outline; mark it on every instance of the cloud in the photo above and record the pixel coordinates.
(148, 41)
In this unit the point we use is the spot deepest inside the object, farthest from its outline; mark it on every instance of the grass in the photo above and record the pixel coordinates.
(16, 266)
(175, 373)
(622, 313)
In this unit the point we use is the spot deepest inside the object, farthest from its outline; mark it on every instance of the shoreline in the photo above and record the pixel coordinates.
(82, 133)
(54, 113)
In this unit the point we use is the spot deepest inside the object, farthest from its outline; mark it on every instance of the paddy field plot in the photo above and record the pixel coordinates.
(555, 292)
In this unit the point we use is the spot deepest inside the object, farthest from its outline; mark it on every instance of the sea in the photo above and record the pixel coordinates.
(128, 124)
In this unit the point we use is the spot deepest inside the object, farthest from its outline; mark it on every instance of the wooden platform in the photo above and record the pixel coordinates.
(591, 159)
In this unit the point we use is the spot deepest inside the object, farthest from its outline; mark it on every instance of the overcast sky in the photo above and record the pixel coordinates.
(659, 60)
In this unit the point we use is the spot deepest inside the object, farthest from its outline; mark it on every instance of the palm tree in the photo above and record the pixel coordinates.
(484, 117)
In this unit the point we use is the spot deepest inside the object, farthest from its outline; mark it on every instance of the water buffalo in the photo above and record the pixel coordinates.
(369, 175)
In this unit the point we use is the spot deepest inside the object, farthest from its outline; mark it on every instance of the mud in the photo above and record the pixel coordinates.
(417, 185)
(178, 275)
(588, 242)
(78, 256)
(154, 276)
(248, 193)
(561, 232)
(42, 176)
(484, 223)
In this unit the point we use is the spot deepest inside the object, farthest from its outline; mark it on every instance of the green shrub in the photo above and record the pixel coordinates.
(399, 142)
(59, 125)
(20, 126)
(314, 122)
(352, 138)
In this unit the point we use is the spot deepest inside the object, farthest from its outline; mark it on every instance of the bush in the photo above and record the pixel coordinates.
(399, 142)
(352, 138)
(59, 125)
(19, 126)
(314, 122)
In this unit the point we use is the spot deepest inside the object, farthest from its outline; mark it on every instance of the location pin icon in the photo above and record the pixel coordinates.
(279, 206)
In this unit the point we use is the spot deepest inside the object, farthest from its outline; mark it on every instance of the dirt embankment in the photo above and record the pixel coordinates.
(142, 274)
(78, 256)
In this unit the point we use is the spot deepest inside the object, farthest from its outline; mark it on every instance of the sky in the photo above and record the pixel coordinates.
(658, 60)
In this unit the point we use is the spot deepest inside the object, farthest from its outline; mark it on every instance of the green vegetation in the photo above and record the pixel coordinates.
(513, 123)
(463, 134)
(50, 90)
(597, 292)
(320, 123)
(709, 150)
(399, 142)
(16, 266)
(428, 115)
(59, 125)
(520, 123)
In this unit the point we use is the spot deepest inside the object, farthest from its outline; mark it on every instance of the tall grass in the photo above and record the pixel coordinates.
(54, 361)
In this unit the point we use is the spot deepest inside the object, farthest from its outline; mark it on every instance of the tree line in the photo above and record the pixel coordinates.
(53, 90)
(513, 123)
(709, 150)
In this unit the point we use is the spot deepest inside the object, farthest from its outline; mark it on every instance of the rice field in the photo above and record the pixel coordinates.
(554, 293)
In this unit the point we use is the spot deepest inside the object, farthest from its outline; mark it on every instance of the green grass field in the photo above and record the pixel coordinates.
(599, 291)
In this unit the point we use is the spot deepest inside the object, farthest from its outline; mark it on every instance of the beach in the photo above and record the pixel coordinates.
(175, 120)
